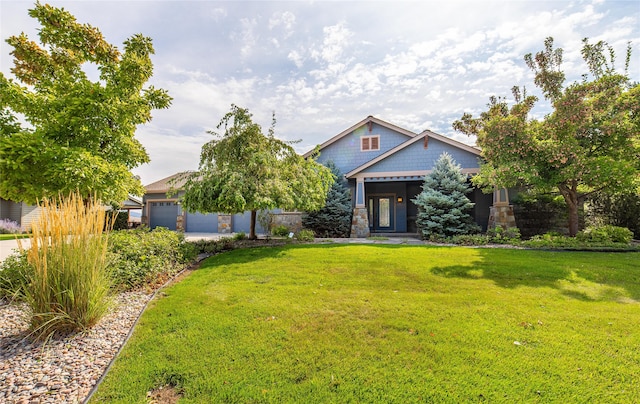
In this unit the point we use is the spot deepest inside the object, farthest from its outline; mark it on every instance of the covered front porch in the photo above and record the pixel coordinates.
(383, 206)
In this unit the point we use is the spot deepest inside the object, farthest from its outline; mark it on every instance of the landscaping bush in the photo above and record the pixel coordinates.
(14, 272)
(305, 235)
(280, 231)
(537, 214)
(141, 256)
(471, 239)
(591, 239)
(9, 227)
(120, 221)
(213, 246)
(605, 234)
(69, 286)
(240, 236)
(498, 235)
(622, 210)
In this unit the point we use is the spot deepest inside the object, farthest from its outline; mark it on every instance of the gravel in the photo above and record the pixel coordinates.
(61, 370)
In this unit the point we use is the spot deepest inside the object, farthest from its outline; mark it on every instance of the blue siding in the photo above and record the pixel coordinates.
(416, 157)
(346, 153)
(201, 223)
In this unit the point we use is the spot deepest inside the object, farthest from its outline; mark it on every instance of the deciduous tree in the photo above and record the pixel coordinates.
(61, 132)
(244, 170)
(589, 142)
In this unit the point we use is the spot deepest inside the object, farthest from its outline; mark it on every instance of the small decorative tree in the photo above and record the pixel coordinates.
(334, 219)
(443, 205)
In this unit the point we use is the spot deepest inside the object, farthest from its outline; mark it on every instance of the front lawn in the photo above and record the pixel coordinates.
(12, 236)
(392, 324)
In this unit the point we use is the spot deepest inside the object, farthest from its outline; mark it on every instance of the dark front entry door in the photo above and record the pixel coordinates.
(382, 213)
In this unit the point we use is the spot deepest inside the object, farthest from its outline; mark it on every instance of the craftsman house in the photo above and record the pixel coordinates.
(384, 165)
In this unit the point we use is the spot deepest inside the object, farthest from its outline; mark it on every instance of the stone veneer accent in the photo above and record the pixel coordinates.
(224, 223)
(501, 215)
(360, 223)
(180, 223)
(292, 220)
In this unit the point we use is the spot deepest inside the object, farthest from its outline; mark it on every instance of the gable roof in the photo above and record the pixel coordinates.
(132, 202)
(175, 181)
(426, 133)
(363, 122)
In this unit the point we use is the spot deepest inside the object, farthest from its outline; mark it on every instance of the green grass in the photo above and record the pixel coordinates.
(12, 236)
(391, 324)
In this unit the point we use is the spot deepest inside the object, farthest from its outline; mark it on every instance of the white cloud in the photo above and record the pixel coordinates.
(247, 35)
(285, 20)
(322, 66)
(296, 58)
(336, 38)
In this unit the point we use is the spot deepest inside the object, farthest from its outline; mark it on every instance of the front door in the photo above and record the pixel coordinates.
(382, 213)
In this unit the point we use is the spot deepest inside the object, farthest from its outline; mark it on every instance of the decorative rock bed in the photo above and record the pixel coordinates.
(61, 370)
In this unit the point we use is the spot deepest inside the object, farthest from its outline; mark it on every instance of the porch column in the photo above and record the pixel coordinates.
(360, 220)
(501, 213)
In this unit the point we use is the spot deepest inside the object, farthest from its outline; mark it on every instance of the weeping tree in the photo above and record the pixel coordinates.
(443, 207)
(334, 219)
(242, 169)
(589, 143)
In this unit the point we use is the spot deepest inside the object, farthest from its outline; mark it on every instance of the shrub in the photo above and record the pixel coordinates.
(470, 239)
(621, 210)
(240, 236)
(14, 272)
(605, 234)
(280, 231)
(603, 238)
(551, 240)
(141, 256)
(213, 246)
(69, 287)
(499, 235)
(121, 220)
(9, 227)
(305, 235)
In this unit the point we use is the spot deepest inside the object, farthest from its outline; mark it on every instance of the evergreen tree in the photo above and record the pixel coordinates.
(443, 205)
(334, 219)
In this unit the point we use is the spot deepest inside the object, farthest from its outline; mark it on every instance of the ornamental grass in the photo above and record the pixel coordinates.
(69, 287)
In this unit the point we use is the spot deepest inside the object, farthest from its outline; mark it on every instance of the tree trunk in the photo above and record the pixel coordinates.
(570, 195)
(252, 229)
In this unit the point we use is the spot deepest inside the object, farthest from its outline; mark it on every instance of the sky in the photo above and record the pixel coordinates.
(323, 66)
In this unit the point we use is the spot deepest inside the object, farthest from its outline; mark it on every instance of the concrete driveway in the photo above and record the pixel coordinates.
(9, 247)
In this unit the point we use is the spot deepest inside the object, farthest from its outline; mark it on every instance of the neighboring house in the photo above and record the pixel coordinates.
(24, 214)
(384, 165)
(18, 212)
(133, 205)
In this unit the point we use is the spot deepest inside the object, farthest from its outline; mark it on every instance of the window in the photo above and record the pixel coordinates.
(370, 143)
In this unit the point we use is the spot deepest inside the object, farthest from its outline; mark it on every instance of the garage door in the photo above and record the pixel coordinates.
(163, 214)
(201, 223)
